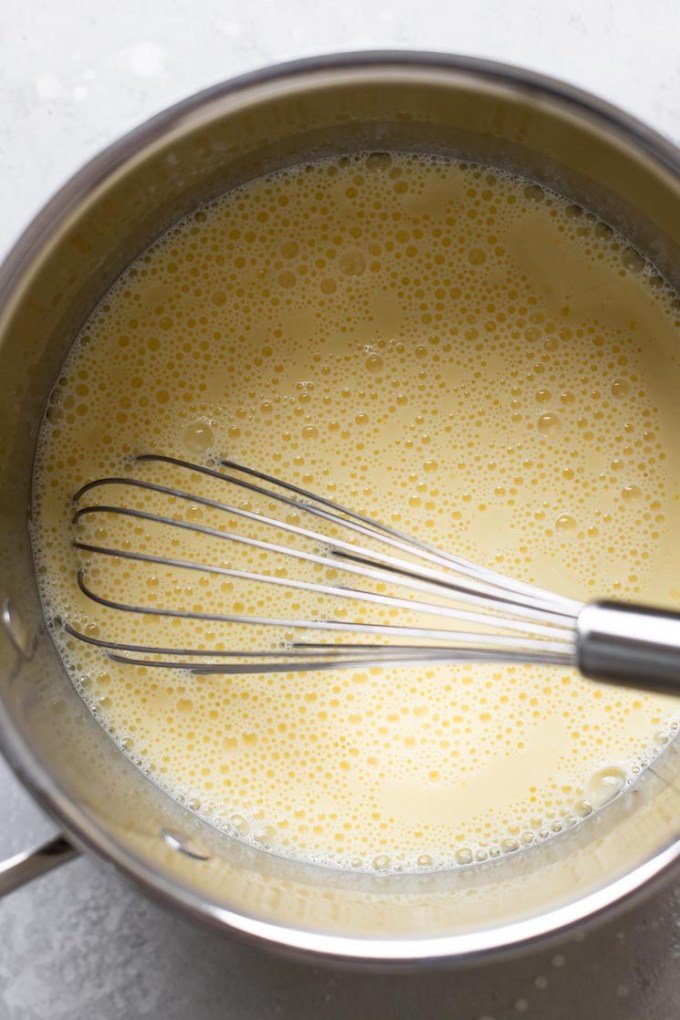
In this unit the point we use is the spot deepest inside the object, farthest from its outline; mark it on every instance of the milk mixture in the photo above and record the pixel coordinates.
(451, 350)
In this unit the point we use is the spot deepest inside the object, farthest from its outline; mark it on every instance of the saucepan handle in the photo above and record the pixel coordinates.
(629, 645)
(24, 867)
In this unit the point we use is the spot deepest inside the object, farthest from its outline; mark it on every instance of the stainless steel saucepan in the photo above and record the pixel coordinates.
(63, 264)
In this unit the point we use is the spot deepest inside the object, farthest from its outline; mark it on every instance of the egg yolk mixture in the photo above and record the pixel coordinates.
(444, 347)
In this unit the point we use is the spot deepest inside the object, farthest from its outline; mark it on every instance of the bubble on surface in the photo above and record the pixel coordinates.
(198, 437)
(632, 260)
(604, 785)
(565, 524)
(549, 424)
(631, 493)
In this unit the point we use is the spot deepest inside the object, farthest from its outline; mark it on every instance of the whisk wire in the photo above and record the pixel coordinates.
(520, 622)
(359, 565)
(336, 514)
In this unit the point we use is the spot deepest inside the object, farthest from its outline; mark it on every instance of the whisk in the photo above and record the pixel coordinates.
(312, 558)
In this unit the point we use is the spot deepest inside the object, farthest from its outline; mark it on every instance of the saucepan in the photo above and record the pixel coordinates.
(60, 268)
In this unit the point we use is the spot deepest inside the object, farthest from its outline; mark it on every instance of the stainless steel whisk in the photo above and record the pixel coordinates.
(338, 554)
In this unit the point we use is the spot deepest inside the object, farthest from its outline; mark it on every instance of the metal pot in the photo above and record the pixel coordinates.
(62, 265)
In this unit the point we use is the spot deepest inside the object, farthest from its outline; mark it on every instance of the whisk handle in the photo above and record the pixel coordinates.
(629, 645)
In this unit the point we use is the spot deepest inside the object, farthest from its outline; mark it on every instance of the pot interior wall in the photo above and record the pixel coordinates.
(64, 264)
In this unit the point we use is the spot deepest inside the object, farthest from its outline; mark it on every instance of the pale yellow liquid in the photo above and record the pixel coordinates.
(445, 348)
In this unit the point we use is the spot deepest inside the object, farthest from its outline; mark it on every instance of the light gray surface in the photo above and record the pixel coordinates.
(81, 943)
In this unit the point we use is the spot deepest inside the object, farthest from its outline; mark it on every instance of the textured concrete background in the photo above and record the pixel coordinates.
(80, 943)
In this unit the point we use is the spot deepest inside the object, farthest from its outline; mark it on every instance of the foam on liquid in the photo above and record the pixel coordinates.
(449, 349)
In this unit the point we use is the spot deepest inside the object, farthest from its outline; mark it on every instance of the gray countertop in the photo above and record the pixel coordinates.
(81, 943)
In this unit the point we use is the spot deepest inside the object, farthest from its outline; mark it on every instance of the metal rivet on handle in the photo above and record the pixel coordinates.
(184, 844)
(16, 629)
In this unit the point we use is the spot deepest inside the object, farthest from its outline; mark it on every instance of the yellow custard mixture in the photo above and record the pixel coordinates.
(452, 350)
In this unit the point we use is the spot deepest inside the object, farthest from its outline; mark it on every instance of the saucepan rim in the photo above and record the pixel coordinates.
(470, 945)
